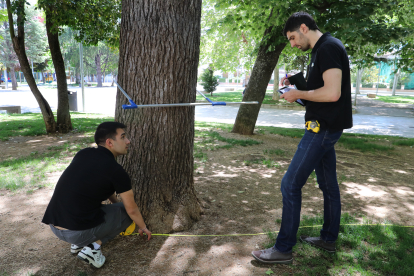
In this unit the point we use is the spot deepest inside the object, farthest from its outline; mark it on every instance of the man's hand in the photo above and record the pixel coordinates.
(113, 198)
(134, 213)
(290, 96)
(146, 231)
(285, 81)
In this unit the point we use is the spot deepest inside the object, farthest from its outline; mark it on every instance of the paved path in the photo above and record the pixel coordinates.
(374, 119)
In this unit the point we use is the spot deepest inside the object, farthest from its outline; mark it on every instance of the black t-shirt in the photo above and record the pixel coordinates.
(92, 177)
(329, 53)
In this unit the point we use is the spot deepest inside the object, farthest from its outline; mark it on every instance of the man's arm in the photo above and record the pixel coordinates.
(133, 212)
(330, 92)
(113, 198)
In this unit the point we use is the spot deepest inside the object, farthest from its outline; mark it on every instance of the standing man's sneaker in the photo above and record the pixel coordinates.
(319, 243)
(75, 249)
(92, 256)
(272, 256)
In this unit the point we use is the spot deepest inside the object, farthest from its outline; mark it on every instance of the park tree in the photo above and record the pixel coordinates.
(209, 81)
(35, 36)
(158, 60)
(20, 49)
(355, 23)
(55, 17)
(7, 55)
(100, 58)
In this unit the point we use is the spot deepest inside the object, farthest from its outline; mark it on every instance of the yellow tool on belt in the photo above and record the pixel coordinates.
(129, 230)
(313, 126)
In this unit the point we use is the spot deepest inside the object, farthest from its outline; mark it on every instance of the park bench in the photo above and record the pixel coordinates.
(12, 109)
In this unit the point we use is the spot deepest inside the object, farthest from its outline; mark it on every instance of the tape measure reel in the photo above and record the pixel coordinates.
(129, 230)
(313, 126)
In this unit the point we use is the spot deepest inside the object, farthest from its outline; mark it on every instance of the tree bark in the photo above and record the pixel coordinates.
(158, 60)
(13, 78)
(19, 48)
(256, 88)
(64, 124)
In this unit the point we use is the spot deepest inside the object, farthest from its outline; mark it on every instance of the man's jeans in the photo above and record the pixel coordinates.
(315, 152)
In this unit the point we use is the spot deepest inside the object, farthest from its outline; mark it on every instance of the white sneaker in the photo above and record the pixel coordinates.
(75, 249)
(92, 256)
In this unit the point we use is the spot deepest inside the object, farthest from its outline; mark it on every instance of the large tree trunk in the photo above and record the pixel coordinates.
(256, 88)
(162, 68)
(64, 123)
(98, 70)
(19, 48)
(13, 78)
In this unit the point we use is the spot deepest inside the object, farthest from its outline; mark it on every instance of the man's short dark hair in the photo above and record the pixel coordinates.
(298, 18)
(107, 130)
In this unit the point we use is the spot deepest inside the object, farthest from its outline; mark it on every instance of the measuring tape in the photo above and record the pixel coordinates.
(128, 231)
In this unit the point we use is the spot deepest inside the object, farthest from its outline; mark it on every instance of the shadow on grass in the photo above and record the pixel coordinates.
(362, 249)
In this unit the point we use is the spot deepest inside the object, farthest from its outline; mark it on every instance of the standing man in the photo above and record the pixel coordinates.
(76, 214)
(328, 113)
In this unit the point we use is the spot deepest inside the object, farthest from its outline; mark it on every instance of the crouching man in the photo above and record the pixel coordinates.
(76, 214)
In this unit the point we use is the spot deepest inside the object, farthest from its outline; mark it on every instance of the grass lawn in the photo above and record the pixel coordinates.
(31, 124)
(238, 97)
(364, 249)
(396, 99)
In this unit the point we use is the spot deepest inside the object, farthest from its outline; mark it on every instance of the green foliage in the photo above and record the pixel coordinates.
(95, 20)
(209, 82)
(365, 27)
(3, 15)
(370, 75)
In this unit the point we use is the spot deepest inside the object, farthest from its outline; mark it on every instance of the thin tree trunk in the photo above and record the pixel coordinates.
(77, 75)
(64, 123)
(164, 70)
(276, 95)
(256, 89)
(395, 83)
(19, 48)
(13, 78)
(98, 70)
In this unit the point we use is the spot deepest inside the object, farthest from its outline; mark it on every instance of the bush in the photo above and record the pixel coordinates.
(392, 84)
(367, 85)
(209, 82)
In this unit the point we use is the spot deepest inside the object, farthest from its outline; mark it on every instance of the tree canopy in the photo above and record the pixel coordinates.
(366, 27)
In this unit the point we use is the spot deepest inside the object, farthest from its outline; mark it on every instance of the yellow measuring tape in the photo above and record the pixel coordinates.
(131, 228)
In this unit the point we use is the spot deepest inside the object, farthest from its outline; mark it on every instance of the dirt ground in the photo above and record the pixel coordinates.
(236, 199)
